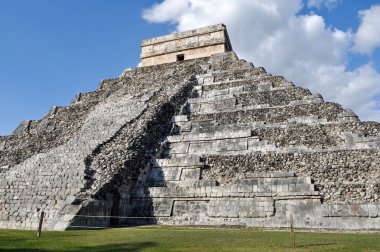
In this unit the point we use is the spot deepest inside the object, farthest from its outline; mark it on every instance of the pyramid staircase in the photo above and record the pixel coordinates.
(246, 148)
(241, 112)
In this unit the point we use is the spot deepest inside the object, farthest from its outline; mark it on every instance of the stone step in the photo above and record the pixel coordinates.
(329, 138)
(179, 118)
(248, 95)
(230, 106)
(225, 75)
(224, 87)
(315, 135)
(226, 146)
(301, 190)
(196, 208)
(205, 78)
(277, 97)
(211, 135)
(182, 183)
(208, 95)
(295, 184)
(283, 136)
(352, 140)
(190, 160)
(211, 107)
(351, 210)
(234, 75)
(296, 195)
(211, 99)
(150, 208)
(265, 148)
(179, 127)
(173, 174)
(267, 175)
(198, 127)
(280, 114)
(241, 207)
(239, 146)
(261, 83)
(242, 87)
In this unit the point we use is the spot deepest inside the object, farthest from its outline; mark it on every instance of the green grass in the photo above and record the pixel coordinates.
(184, 239)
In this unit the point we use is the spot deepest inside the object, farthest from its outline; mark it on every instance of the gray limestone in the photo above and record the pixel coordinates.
(211, 141)
(257, 198)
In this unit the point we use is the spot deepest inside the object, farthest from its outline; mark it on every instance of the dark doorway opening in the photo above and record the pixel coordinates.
(180, 57)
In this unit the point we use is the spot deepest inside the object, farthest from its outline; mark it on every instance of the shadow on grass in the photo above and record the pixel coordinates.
(134, 247)
(315, 244)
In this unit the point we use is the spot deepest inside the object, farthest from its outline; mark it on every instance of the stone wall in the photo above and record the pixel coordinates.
(56, 128)
(328, 111)
(211, 141)
(350, 176)
(251, 149)
(76, 176)
(193, 44)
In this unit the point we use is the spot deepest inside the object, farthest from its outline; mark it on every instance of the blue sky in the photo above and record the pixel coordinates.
(345, 16)
(52, 49)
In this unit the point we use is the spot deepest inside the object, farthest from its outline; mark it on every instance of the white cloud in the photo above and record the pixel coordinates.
(302, 48)
(329, 4)
(355, 89)
(367, 37)
(168, 10)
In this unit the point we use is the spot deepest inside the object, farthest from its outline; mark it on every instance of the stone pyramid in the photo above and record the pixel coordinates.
(206, 141)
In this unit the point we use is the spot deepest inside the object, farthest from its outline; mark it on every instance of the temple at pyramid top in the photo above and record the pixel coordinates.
(198, 43)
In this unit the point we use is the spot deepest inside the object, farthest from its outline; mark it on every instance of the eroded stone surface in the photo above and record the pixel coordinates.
(270, 151)
(212, 141)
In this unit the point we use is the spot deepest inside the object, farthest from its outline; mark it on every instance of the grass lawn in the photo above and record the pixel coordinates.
(184, 239)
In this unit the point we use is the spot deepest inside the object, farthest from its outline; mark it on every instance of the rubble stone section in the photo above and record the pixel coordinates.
(75, 176)
(56, 176)
(251, 149)
(56, 128)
